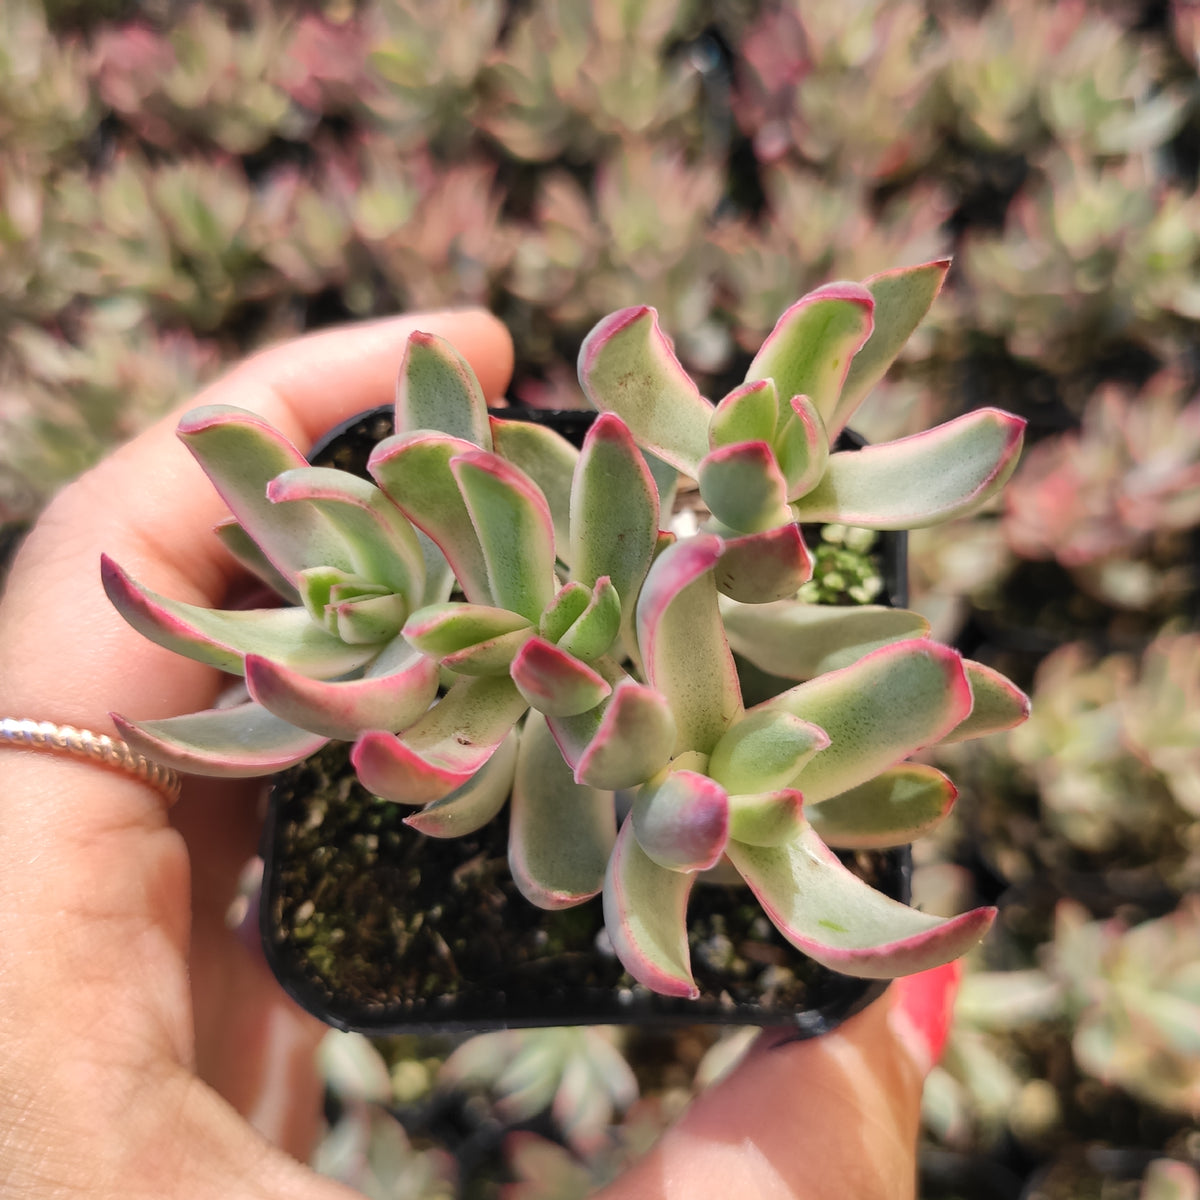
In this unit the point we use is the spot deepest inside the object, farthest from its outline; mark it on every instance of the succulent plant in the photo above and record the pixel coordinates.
(586, 655)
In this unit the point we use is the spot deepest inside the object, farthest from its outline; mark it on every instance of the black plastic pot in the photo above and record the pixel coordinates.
(374, 927)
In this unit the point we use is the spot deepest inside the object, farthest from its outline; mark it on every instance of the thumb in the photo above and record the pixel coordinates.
(831, 1117)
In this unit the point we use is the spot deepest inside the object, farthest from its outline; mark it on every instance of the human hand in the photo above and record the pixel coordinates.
(148, 1052)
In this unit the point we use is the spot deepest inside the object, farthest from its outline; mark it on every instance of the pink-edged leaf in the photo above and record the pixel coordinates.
(744, 487)
(808, 352)
(249, 555)
(560, 832)
(549, 460)
(442, 750)
(441, 629)
(622, 742)
(368, 620)
(892, 809)
(437, 390)
(877, 711)
(569, 604)
(765, 750)
(555, 682)
(802, 445)
(801, 641)
(998, 704)
(682, 821)
(223, 638)
(902, 298)
(381, 543)
(645, 913)
(491, 657)
(758, 568)
(593, 632)
(241, 453)
(831, 915)
(920, 480)
(512, 520)
(627, 367)
(473, 805)
(683, 644)
(765, 818)
(397, 689)
(614, 511)
(414, 472)
(750, 413)
(240, 742)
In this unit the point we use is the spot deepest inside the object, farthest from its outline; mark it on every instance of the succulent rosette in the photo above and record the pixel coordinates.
(500, 616)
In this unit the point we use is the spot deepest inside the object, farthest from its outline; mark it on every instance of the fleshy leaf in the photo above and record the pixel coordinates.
(831, 915)
(808, 352)
(491, 657)
(555, 682)
(750, 413)
(240, 742)
(593, 632)
(441, 629)
(445, 747)
(743, 487)
(764, 751)
(645, 913)
(877, 711)
(560, 832)
(902, 298)
(399, 687)
(223, 638)
(997, 704)
(627, 367)
(549, 460)
(758, 568)
(369, 620)
(765, 818)
(473, 805)
(892, 809)
(622, 742)
(437, 390)
(241, 453)
(682, 821)
(683, 643)
(801, 641)
(802, 446)
(568, 605)
(414, 472)
(920, 480)
(381, 543)
(249, 554)
(515, 531)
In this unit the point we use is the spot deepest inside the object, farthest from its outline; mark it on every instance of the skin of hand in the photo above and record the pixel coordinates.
(148, 1052)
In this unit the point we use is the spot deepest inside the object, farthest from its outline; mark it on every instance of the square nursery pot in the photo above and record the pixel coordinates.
(375, 927)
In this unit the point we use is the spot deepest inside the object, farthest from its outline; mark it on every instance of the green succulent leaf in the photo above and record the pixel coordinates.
(569, 604)
(645, 913)
(442, 629)
(555, 682)
(764, 751)
(560, 832)
(744, 487)
(249, 555)
(831, 915)
(682, 820)
(877, 711)
(757, 568)
(492, 657)
(920, 480)
(795, 640)
(627, 367)
(476, 802)
(808, 353)
(223, 638)
(516, 534)
(750, 413)
(998, 704)
(765, 818)
(549, 460)
(892, 809)
(369, 620)
(437, 390)
(902, 298)
(593, 632)
(802, 445)
(241, 742)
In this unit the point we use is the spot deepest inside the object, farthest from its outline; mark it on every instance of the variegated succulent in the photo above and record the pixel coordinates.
(500, 614)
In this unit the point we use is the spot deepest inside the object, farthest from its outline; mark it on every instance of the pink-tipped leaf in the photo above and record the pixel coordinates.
(627, 367)
(549, 460)
(473, 805)
(765, 750)
(249, 554)
(831, 915)
(368, 620)
(555, 682)
(896, 807)
(241, 742)
(758, 568)
(765, 818)
(593, 632)
(441, 629)
(877, 711)
(802, 446)
(998, 704)
(561, 833)
(491, 657)
(437, 390)
(223, 638)
(682, 820)
(645, 913)
(750, 413)
(683, 644)
(744, 487)
(921, 480)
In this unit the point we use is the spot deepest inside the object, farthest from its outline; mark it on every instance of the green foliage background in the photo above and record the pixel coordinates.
(181, 183)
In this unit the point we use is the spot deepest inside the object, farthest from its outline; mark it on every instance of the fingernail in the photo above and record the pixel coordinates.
(922, 1012)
